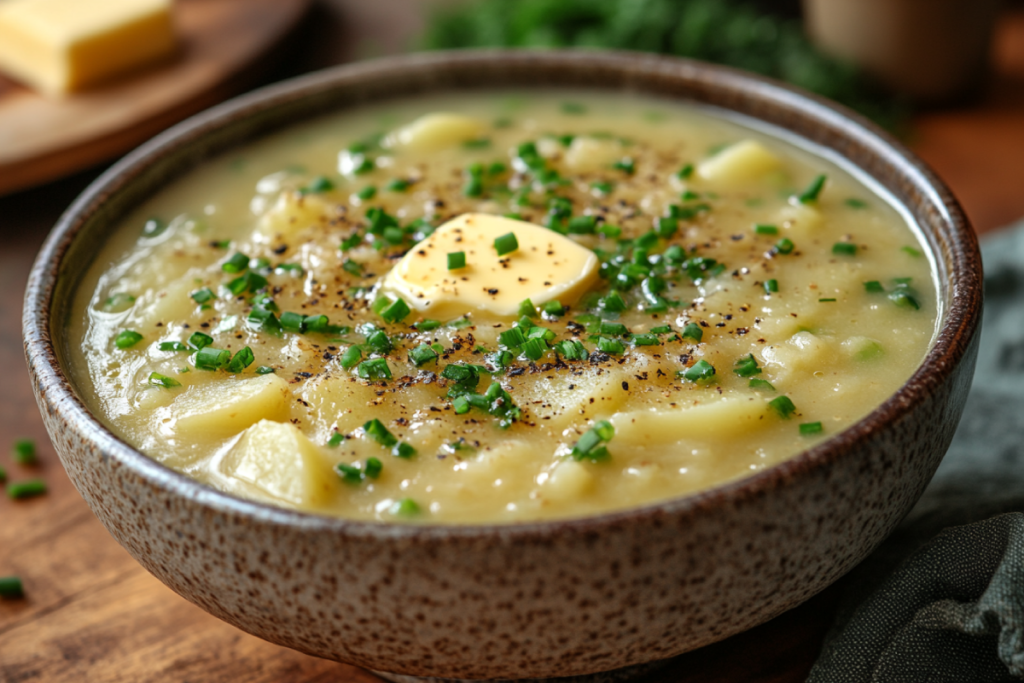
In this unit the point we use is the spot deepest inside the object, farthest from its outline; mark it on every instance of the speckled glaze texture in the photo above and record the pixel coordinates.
(537, 600)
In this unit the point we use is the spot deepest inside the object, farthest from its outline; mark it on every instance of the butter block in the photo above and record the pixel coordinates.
(545, 267)
(61, 46)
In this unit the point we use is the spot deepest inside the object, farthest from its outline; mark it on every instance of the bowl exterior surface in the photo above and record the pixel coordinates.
(535, 600)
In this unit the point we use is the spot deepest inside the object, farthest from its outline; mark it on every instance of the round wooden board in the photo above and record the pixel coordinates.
(43, 139)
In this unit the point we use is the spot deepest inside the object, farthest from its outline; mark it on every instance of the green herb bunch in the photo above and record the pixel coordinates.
(722, 31)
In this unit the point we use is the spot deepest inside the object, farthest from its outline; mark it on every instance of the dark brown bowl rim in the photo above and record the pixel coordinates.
(962, 314)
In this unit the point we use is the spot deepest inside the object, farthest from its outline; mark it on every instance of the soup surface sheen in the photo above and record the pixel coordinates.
(735, 301)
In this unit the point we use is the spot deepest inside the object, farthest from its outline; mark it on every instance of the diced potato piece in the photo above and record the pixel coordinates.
(226, 407)
(174, 303)
(729, 415)
(560, 400)
(343, 403)
(292, 213)
(587, 155)
(279, 460)
(803, 352)
(745, 160)
(568, 481)
(436, 131)
(862, 348)
(799, 220)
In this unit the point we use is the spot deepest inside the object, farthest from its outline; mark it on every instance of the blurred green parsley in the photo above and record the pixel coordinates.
(721, 31)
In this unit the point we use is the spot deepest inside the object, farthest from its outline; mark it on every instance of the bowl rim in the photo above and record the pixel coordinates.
(962, 312)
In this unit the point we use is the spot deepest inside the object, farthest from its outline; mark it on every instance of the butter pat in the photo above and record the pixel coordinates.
(545, 267)
(59, 46)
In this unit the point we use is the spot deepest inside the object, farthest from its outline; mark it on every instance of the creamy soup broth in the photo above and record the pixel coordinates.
(746, 300)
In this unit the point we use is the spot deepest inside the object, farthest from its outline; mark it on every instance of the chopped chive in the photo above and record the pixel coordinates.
(760, 384)
(534, 349)
(236, 264)
(209, 358)
(243, 358)
(873, 286)
(317, 185)
(201, 296)
(782, 406)
(427, 325)
(456, 260)
(11, 588)
(264, 370)
(611, 231)
(916, 253)
(403, 450)
(478, 143)
(158, 380)
(119, 302)
(698, 372)
(808, 428)
(813, 190)
(570, 349)
(127, 339)
(351, 357)
(474, 186)
(626, 165)
(610, 346)
(397, 185)
(198, 340)
(685, 172)
(747, 366)
(372, 468)
(19, 490)
(527, 309)
(855, 203)
(645, 340)
(3, 475)
(376, 368)
(506, 244)
(376, 430)
(350, 474)
(590, 444)
(396, 312)
(844, 249)
(826, 301)
(582, 225)
(379, 342)
(902, 296)
(602, 187)
(512, 338)
(293, 322)
(368, 192)
(352, 267)
(336, 439)
(666, 226)
(661, 329)
(407, 507)
(613, 303)
(351, 242)
(553, 308)
(24, 452)
(422, 354)
(784, 246)
(771, 286)
(290, 269)
(763, 229)
(694, 332)
(613, 329)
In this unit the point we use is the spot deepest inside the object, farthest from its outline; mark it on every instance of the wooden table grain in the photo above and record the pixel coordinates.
(92, 614)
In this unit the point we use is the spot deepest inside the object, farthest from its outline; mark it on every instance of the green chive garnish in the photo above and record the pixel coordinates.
(553, 308)
(201, 296)
(3, 475)
(351, 357)
(771, 286)
(526, 308)
(376, 430)
(827, 301)
(199, 340)
(626, 165)
(396, 312)
(512, 338)
(11, 588)
(902, 296)
(591, 445)
(534, 349)
(844, 249)
(28, 488)
(153, 227)
(456, 260)
(582, 225)
(127, 339)
(506, 244)
(782, 406)
(24, 452)
(209, 358)
(403, 450)
(874, 286)
(808, 428)
(397, 185)
(264, 370)
(158, 380)
(916, 253)
(377, 368)
(763, 229)
(685, 172)
(372, 468)
(368, 192)
(761, 384)
(407, 507)
(645, 340)
(422, 354)
(813, 190)
(613, 303)
(699, 371)
(747, 366)
(427, 325)
(694, 332)
(602, 187)
(350, 474)
(613, 329)
(336, 439)
(784, 246)
(855, 203)
(236, 264)
(241, 360)
(610, 346)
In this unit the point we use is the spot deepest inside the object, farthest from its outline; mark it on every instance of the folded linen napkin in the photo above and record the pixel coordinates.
(931, 606)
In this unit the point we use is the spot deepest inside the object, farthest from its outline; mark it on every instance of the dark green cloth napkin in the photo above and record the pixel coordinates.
(943, 598)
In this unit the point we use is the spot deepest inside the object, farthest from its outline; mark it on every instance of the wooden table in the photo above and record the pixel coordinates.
(93, 614)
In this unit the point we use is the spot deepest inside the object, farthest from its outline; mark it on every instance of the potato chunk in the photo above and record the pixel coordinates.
(223, 408)
(279, 460)
(729, 415)
(436, 131)
(292, 213)
(745, 160)
(588, 155)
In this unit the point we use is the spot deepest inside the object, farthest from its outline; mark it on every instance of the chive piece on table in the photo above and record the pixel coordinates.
(456, 260)
(28, 488)
(11, 588)
(506, 244)
(24, 452)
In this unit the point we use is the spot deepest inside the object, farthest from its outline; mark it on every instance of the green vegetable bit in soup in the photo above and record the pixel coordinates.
(496, 307)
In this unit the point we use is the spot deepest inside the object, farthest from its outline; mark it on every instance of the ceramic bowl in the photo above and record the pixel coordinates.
(535, 600)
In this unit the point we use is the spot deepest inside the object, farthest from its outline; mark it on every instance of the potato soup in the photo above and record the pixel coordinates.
(500, 307)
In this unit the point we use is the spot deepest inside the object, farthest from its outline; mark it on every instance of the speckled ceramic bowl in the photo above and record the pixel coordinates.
(537, 600)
